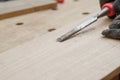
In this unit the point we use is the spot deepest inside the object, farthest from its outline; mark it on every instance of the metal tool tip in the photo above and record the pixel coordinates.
(59, 40)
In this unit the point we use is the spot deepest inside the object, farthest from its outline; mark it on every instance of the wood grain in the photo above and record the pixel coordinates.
(19, 7)
(38, 23)
(86, 56)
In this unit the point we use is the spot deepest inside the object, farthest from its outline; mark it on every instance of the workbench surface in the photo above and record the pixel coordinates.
(29, 50)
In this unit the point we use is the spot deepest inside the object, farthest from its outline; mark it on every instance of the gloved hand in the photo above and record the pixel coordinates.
(114, 27)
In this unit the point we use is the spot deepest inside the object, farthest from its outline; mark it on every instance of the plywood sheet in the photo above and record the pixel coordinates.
(18, 7)
(38, 23)
(86, 56)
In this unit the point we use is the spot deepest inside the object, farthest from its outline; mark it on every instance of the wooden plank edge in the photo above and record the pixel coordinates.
(112, 74)
(28, 10)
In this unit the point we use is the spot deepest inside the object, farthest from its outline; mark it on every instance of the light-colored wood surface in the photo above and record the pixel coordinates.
(18, 7)
(38, 23)
(87, 56)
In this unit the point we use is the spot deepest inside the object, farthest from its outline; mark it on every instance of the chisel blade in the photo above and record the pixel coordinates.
(83, 25)
(77, 29)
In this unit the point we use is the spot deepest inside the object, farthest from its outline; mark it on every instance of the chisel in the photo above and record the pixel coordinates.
(107, 9)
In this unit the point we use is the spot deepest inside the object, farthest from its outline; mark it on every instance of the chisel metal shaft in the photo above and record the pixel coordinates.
(105, 11)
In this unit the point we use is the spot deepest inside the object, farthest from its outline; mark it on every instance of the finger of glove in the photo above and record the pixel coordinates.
(116, 23)
(112, 33)
(116, 5)
(117, 18)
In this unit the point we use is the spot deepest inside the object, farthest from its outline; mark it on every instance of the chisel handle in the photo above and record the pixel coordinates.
(111, 9)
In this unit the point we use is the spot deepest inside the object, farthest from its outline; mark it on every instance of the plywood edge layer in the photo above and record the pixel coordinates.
(28, 10)
(112, 74)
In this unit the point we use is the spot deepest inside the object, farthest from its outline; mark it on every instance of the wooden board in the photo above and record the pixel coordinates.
(18, 7)
(87, 56)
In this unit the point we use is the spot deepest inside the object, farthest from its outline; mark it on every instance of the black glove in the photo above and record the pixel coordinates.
(114, 27)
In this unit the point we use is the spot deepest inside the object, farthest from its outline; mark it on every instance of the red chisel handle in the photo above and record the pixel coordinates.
(111, 9)
(60, 1)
